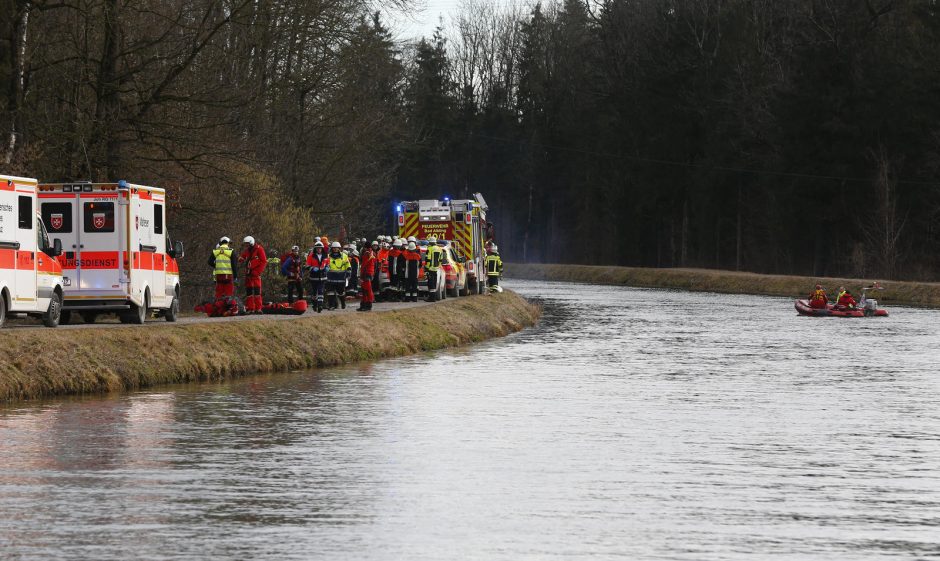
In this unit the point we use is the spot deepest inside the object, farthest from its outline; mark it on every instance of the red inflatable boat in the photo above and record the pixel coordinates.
(803, 308)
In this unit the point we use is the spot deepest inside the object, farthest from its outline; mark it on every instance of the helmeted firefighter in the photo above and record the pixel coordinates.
(353, 288)
(255, 261)
(494, 266)
(222, 261)
(411, 259)
(336, 277)
(318, 263)
(394, 261)
(377, 272)
(293, 268)
(366, 274)
(432, 266)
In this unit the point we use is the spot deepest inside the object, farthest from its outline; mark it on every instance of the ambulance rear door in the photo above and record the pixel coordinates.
(59, 211)
(101, 227)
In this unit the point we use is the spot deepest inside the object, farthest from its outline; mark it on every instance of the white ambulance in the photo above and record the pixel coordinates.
(118, 254)
(30, 277)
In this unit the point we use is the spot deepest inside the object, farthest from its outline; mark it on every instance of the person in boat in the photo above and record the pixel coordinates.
(842, 291)
(846, 300)
(818, 299)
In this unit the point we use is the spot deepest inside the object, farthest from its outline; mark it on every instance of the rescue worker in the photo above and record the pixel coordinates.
(432, 267)
(336, 277)
(494, 266)
(225, 274)
(841, 293)
(400, 269)
(255, 261)
(293, 268)
(846, 300)
(394, 258)
(318, 262)
(366, 274)
(411, 258)
(382, 266)
(353, 288)
(818, 299)
(377, 270)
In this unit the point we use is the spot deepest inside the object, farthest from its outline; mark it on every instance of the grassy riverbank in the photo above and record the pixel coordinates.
(730, 282)
(48, 362)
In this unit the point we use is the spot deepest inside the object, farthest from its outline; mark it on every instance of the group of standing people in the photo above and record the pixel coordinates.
(388, 268)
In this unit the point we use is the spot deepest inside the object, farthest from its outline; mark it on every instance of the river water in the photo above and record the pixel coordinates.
(634, 424)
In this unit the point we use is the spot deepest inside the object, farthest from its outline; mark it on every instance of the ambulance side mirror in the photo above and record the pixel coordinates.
(56, 247)
(178, 252)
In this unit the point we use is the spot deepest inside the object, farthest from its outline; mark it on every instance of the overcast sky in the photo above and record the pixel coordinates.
(422, 22)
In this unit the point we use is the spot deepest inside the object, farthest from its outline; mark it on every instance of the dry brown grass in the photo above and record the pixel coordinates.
(730, 282)
(42, 363)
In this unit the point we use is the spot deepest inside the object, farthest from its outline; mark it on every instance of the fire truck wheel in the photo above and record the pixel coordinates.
(3, 310)
(465, 291)
(65, 317)
(54, 314)
(172, 313)
(89, 317)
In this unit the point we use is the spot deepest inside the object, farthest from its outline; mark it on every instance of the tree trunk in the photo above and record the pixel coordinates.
(17, 83)
(106, 110)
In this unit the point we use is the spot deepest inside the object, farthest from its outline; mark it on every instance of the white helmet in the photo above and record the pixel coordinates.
(397, 243)
(493, 247)
(225, 239)
(318, 244)
(318, 238)
(412, 239)
(432, 239)
(249, 240)
(412, 246)
(296, 248)
(335, 245)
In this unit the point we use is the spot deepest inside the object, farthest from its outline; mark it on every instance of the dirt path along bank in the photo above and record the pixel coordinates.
(728, 282)
(36, 363)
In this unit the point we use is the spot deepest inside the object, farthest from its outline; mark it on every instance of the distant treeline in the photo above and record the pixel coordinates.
(784, 136)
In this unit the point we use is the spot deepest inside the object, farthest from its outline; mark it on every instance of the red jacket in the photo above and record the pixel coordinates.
(318, 262)
(367, 265)
(847, 301)
(255, 259)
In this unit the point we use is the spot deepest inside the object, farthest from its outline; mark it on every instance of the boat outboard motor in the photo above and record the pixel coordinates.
(870, 306)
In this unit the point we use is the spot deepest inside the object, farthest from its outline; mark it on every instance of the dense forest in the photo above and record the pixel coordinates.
(787, 136)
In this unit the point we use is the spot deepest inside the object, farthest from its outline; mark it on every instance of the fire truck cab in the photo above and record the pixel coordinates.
(30, 277)
(119, 257)
(461, 221)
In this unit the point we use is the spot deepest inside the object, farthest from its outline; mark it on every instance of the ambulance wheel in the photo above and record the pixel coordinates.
(172, 313)
(452, 292)
(65, 317)
(465, 291)
(137, 315)
(54, 314)
(3, 310)
(89, 317)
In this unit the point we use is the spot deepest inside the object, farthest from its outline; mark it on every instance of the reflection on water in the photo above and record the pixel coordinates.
(630, 423)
